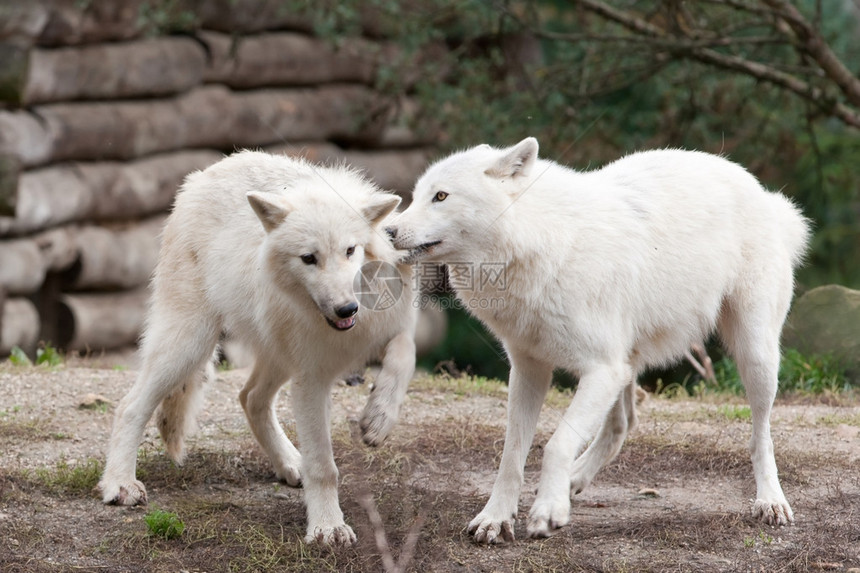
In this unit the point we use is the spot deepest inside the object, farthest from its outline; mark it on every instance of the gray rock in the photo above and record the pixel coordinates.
(826, 320)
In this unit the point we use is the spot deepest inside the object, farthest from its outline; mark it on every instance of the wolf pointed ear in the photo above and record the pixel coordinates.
(271, 209)
(517, 160)
(379, 206)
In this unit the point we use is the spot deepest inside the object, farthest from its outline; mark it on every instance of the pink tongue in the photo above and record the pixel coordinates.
(346, 322)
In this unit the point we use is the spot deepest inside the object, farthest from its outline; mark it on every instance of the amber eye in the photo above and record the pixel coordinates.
(439, 196)
(309, 259)
(350, 251)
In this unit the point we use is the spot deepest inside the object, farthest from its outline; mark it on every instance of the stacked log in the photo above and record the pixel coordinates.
(100, 122)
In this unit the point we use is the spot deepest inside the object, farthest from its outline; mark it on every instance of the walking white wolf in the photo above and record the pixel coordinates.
(267, 248)
(606, 273)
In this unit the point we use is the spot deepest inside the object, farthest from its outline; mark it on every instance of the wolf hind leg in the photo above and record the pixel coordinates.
(605, 447)
(175, 347)
(257, 399)
(752, 338)
(177, 415)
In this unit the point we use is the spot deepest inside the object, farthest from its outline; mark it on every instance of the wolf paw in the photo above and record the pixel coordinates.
(336, 536)
(773, 513)
(546, 516)
(290, 475)
(375, 424)
(133, 493)
(490, 531)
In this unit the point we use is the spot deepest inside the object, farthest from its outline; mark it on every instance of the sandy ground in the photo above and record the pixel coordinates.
(676, 499)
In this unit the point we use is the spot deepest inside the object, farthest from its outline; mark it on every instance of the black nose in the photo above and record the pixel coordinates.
(391, 231)
(347, 310)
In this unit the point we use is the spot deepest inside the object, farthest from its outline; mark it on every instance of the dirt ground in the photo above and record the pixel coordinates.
(677, 499)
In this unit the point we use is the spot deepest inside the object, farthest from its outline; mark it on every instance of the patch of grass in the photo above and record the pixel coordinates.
(466, 386)
(762, 539)
(798, 374)
(164, 524)
(811, 374)
(731, 412)
(12, 410)
(68, 479)
(462, 386)
(838, 419)
(29, 429)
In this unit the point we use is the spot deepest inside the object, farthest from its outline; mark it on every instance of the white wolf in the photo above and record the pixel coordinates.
(607, 273)
(267, 248)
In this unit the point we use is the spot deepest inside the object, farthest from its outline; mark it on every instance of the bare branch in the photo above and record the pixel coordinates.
(704, 365)
(811, 43)
(388, 565)
(767, 73)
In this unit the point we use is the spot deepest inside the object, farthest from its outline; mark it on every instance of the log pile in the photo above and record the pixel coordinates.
(100, 122)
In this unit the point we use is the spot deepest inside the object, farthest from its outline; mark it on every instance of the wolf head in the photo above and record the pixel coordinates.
(317, 239)
(458, 199)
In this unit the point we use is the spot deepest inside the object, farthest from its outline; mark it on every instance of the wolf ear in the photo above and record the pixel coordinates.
(379, 206)
(516, 161)
(271, 209)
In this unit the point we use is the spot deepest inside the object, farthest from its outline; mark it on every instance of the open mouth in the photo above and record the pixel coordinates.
(342, 324)
(416, 253)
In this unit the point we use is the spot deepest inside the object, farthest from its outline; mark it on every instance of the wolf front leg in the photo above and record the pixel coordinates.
(383, 405)
(527, 387)
(312, 409)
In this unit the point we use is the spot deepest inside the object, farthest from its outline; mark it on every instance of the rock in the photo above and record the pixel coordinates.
(92, 401)
(826, 320)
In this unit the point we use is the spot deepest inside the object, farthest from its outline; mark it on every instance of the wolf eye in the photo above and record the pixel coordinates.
(439, 196)
(350, 251)
(309, 259)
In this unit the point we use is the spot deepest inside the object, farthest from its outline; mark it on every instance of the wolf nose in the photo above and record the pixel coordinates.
(347, 310)
(391, 232)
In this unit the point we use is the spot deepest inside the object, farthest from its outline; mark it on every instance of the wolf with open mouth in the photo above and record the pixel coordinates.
(267, 249)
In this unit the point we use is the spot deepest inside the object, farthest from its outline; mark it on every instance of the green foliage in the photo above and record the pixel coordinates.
(19, 358)
(48, 355)
(164, 524)
(798, 373)
(161, 17)
(811, 374)
(45, 355)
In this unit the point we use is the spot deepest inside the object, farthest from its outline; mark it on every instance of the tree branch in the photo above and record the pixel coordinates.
(811, 43)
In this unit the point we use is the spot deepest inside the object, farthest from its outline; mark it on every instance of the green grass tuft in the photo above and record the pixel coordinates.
(64, 478)
(164, 524)
(19, 358)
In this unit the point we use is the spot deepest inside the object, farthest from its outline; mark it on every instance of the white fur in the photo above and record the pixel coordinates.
(606, 273)
(230, 261)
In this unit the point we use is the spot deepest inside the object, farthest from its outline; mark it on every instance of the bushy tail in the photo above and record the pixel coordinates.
(795, 228)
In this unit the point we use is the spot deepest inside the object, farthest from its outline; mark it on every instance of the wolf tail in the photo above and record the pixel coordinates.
(795, 229)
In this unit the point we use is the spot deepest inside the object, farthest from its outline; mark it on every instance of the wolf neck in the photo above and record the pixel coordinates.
(515, 245)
